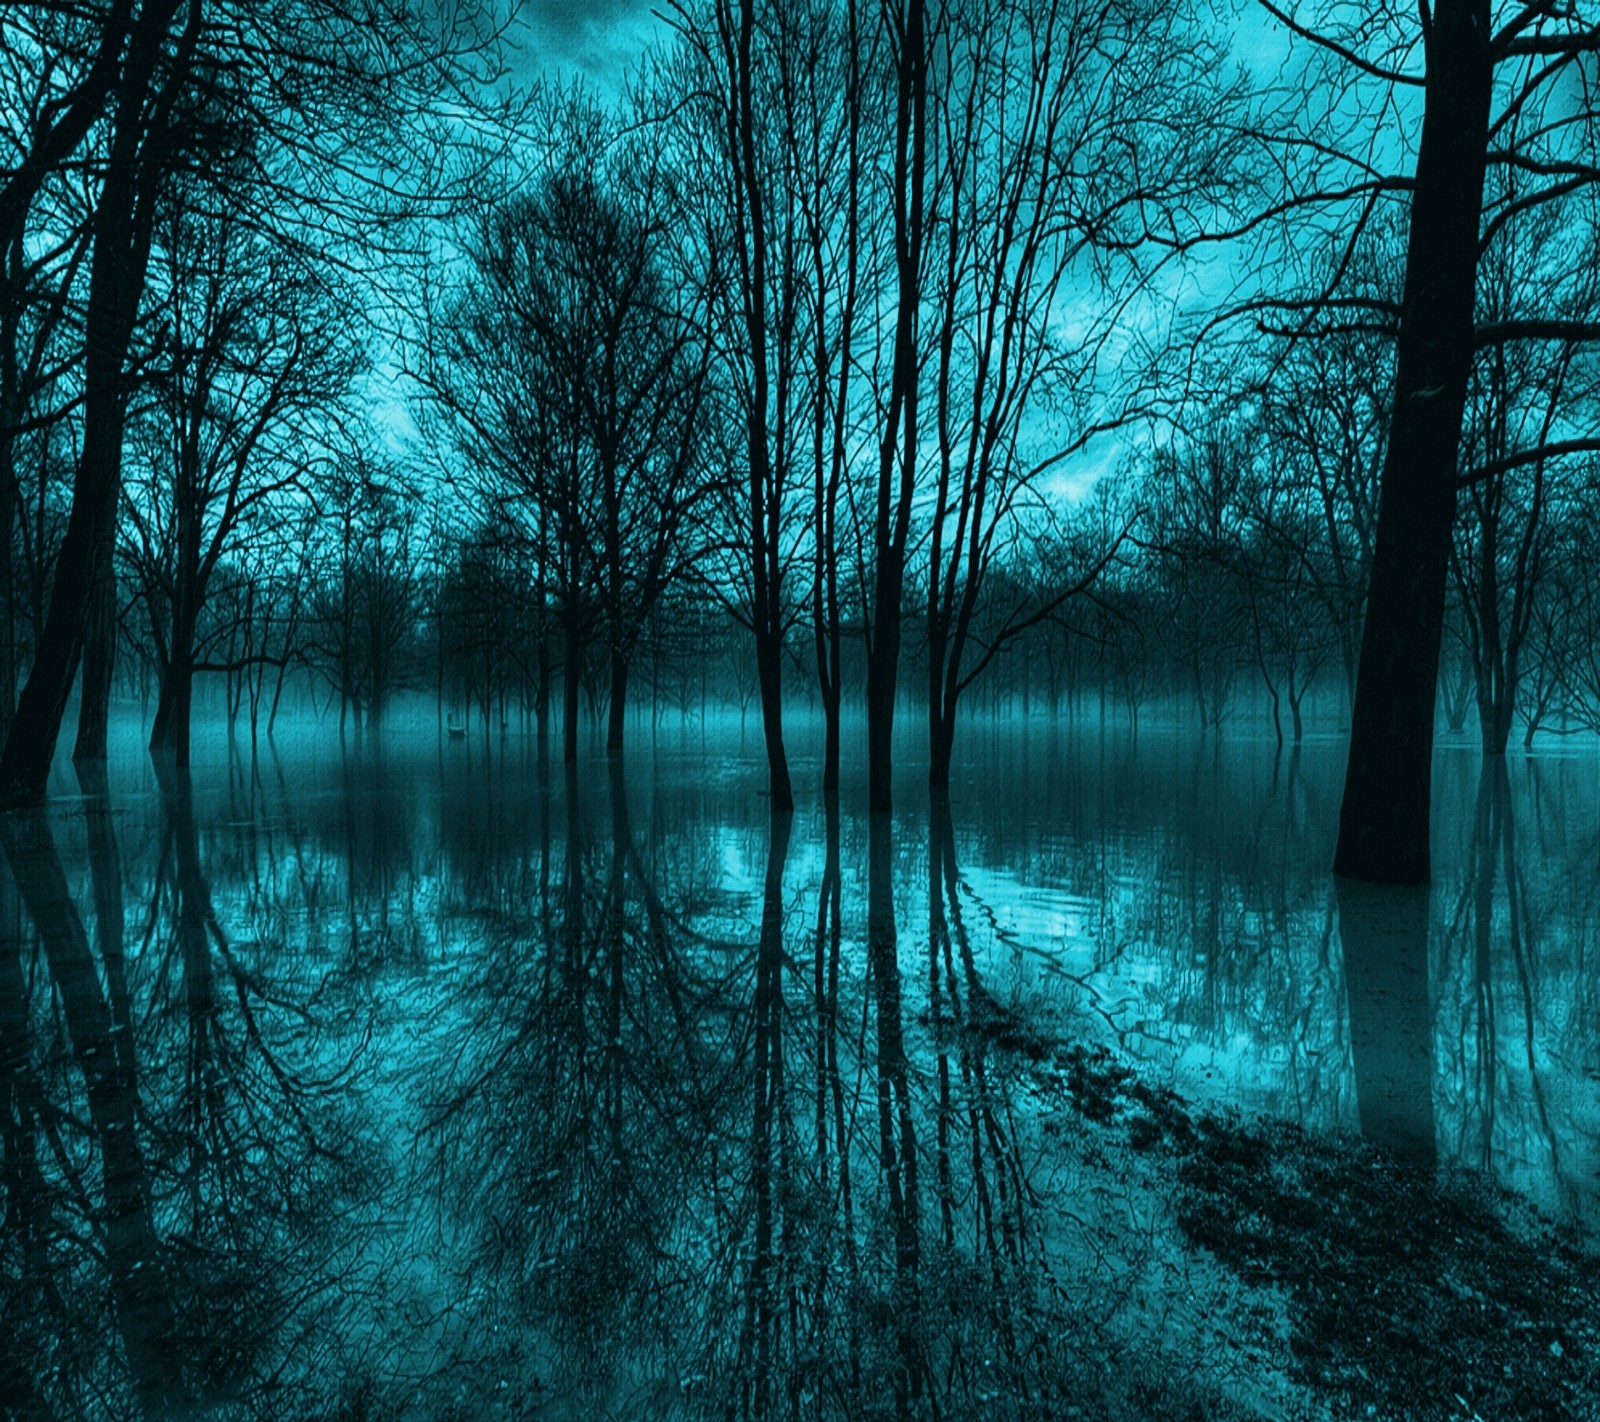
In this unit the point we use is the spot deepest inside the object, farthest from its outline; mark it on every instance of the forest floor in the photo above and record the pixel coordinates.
(1366, 1287)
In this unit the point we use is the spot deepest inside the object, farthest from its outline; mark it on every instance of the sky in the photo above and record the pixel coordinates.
(595, 39)
(598, 39)
(599, 42)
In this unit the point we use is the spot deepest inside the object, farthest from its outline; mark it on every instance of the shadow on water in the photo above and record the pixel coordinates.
(103, 1053)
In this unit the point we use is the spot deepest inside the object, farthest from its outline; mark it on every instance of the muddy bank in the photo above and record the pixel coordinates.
(1407, 1293)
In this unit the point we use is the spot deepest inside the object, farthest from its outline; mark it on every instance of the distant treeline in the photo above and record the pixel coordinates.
(1048, 347)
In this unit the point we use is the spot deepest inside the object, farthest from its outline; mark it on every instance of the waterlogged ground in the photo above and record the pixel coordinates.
(425, 1081)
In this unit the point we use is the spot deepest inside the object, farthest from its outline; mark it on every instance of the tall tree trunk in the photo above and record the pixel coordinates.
(1494, 721)
(1384, 820)
(764, 509)
(541, 705)
(122, 235)
(883, 668)
(941, 744)
(169, 733)
(12, 403)
(8, 601)
(99, 662)
(897, 453)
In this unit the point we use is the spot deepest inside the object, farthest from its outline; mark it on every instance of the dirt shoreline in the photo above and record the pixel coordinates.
(1407, 1292)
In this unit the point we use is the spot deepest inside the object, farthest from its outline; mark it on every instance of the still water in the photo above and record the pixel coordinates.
(426, 1080)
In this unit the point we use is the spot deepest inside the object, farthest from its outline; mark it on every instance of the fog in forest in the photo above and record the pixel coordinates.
(833, 710)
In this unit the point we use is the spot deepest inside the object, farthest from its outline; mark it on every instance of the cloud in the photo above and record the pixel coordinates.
(598, 39)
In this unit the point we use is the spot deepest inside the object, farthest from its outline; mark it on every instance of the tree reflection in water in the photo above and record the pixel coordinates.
(694, 1158)
(198, 1183)
(1384, 929)
(1514, 978)
(418, 1081)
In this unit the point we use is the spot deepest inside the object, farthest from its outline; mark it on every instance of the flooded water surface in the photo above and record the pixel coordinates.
(431, 1080)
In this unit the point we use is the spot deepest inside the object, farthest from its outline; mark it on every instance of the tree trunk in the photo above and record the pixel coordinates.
(832, 740)
(941, 744)
(618, 711)
(569, 692)
(170, 732)
(1494, 723)
(883, 668)
(541, 704)
(11, 404)
(99, 663)
(1384, 820)
(769, 672)
(122, 234)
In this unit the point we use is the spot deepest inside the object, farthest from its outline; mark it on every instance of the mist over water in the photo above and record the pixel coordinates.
(425, 1068)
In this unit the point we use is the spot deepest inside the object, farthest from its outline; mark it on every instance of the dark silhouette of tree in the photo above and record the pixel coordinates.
(297, 104)
(253, 364)
(1466, 96)
(1030, 105)
(161, 48)
(364, 623)
(1199, 528)
(913, 37)
(747, 76)
(574, 295)
(1500, 556)
(1324, 417)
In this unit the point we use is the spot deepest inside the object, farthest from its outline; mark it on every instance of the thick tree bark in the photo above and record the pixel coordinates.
(1494, 723)
(31, 742)
(1384, 933)
(169, 735)
(1384, 820)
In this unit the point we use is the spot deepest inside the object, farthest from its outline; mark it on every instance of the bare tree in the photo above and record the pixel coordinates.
(1423, 108)
(244, 395)
(573, 297)
(1036, 110)
(153, 72)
